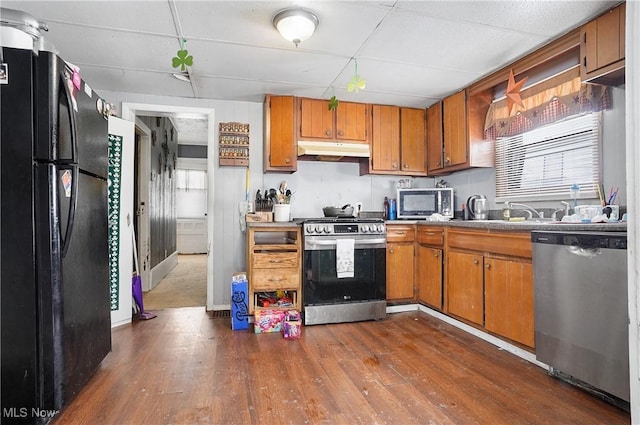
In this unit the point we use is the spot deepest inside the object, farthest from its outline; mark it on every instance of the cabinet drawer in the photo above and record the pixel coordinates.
(400, 233)
(272, 279)
(275, 260)
(430, 235)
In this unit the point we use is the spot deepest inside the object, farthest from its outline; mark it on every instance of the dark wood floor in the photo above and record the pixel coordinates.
(185, 367)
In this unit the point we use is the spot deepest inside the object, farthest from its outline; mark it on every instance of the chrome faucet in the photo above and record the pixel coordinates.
(566, 209)
(528, 209)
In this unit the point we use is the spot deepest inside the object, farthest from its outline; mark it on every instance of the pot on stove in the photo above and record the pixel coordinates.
(345, 211)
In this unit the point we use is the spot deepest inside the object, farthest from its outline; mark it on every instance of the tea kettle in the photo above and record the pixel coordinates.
(477, 208)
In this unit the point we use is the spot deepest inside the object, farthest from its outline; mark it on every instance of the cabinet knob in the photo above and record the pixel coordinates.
(287, 161)
(328, 132)
(447, 160)
(436, 254)
(275, 261)
(400, 232)
(487, 266)
(394, 165)
(340, 133)
(438, 163)
(406, 166)
(391, 250)
(476, 262)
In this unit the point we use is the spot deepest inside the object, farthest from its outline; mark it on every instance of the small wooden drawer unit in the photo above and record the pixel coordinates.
(274, 259)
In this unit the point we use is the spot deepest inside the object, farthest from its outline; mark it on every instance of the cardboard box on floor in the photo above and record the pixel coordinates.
(239, 301)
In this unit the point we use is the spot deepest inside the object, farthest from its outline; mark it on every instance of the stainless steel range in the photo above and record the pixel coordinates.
(344, 270)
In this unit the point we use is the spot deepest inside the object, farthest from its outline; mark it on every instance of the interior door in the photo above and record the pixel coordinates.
(125, 218)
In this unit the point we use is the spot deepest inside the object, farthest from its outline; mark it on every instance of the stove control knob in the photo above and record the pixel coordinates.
(365, 228)
(311, 228)
(326, 229)
(380, 228)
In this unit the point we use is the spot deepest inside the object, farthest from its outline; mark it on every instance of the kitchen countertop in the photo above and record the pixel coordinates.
(519, 225)
(483, 224)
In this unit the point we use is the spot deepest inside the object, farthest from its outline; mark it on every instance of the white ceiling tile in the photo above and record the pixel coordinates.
(144, 16)
(463, 49)
(544, 17)
(410, 52)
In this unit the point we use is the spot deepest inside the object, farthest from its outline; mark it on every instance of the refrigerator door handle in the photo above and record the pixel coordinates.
(73, 202)
(72, 116)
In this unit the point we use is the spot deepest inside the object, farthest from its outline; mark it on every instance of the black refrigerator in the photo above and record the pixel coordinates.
(55, 310)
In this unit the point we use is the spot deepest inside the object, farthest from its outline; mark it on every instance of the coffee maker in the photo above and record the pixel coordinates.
(477, 208)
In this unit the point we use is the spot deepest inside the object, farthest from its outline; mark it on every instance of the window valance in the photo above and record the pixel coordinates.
(547, 102)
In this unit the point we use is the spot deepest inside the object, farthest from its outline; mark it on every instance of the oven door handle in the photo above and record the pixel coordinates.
(358, 242)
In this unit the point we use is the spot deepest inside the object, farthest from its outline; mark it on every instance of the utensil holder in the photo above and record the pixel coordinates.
(281, 212)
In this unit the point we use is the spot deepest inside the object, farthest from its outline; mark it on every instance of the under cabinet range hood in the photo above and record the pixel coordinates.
(333, 149)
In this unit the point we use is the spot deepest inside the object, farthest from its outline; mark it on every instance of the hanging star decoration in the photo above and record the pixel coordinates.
(357, 83)
(513, 92)
(183, 58)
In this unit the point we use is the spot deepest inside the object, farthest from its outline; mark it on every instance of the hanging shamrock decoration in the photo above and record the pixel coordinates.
(356, 84)
(333, 103)
(183, 58)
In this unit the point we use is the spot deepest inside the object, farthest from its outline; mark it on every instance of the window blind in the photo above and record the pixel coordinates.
(543, 163)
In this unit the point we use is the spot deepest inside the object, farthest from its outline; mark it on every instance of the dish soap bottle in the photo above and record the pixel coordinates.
(506, 212)
(575, 190)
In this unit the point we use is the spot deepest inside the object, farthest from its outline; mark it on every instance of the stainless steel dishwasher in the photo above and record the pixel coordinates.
(581, 309)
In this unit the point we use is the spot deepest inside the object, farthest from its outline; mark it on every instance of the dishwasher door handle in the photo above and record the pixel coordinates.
(584, 252)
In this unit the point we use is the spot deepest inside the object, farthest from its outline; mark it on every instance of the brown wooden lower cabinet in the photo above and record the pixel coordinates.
(465, 286)
(482, 277)
(509, 299)
(400, 261)
(429, 276)
(400, 271)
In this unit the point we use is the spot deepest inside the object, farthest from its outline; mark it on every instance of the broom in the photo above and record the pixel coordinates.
(136, 282)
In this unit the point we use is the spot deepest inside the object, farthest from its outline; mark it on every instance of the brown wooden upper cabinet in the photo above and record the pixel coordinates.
(348, 122)
(385, 138)
(398, 141)
(455, 133)
(413, 142)
(434, 138)
(279, 136)
(602, 44)
(447, 134)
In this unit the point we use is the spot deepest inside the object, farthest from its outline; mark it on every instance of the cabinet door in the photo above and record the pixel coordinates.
(351, 121)
(385, 138)
(454, 129)
(429, 276)
(465, 286)
(316, 120)
(434, 137)
(400, 271)
(608, 38)
(509, 299)
(413, 143)
(280, 143)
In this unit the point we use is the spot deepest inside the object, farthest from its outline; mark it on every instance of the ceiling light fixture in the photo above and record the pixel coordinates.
(296, 24)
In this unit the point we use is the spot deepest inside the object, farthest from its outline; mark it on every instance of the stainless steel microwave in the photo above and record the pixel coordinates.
(419, 204)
